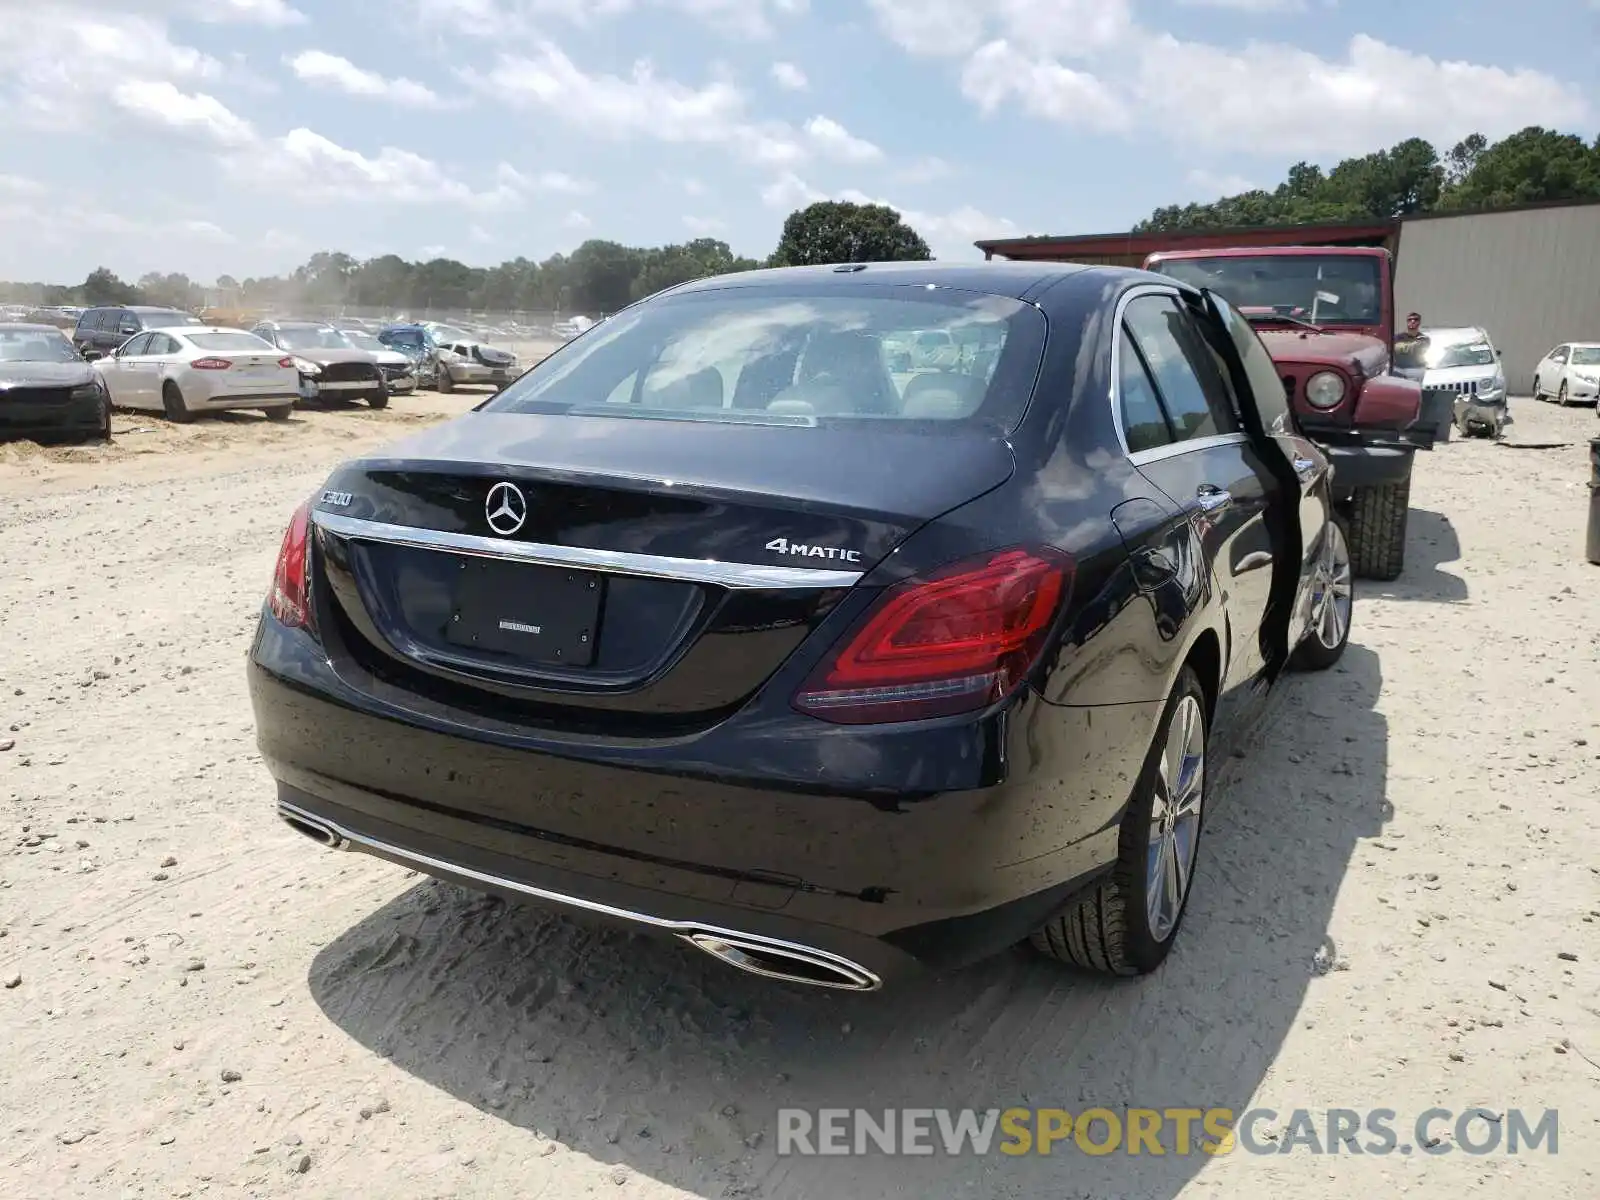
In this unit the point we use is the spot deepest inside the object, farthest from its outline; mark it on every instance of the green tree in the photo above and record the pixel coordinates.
(601, 275)
(1532, 165)
(103, 287)
(837, 231)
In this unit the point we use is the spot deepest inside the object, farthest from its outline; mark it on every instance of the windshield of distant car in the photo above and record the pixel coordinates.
(309, 337)
(1586, 356)
(1323, 289)
(449, 333)
(799, 357)
(365, 341)
(1442, 356)
(36, 345)
(231, 343)
(168, 317)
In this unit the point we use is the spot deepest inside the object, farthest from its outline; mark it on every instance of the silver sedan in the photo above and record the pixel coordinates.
(194, 369)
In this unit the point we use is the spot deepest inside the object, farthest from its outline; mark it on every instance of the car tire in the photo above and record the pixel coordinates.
(1538, 389)
(1376, 530)
(1329, 632)
(280, 412)
(1561, 394)
(1114, 928)
(172, 401)
(378, 399)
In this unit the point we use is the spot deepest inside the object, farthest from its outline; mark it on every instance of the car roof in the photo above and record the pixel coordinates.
(1456, 333)
(28, 327)
(301, 324)
(149, 308)
(1003, 278)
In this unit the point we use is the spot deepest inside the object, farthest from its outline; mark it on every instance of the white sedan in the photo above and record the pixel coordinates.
(1569, 373)
(188, 370)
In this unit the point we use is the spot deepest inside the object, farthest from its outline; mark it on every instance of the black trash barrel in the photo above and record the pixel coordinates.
(1594, 501)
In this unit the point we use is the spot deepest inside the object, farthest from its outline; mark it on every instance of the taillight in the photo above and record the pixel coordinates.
(290, 599)
(211, 364)
(953, 641)
(286, 362)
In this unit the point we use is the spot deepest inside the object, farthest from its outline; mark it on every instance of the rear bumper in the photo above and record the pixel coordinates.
(247, 400)
(649, 835)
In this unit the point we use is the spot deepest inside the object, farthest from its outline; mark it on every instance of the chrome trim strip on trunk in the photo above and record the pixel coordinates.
(728, 945)
(692, 570)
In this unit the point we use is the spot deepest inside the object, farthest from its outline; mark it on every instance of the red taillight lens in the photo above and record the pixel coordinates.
(211, 364)
(954, 641)
(286, 362)
(290, 599)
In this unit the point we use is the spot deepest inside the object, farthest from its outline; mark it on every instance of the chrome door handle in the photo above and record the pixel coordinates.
(1211, 498)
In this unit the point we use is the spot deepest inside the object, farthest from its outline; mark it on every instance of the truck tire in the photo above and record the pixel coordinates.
(1377, 526)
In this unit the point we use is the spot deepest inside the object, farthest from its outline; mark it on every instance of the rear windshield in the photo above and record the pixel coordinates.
(168, 317)
(1323, 289)
(235, 343)
(805, 358)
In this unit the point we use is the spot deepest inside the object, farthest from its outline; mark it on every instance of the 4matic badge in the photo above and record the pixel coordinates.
(785, 546)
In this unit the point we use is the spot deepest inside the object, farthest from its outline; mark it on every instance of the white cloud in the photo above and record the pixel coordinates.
(255, 12)
(576, 220)
(340, 74)
(789, 76)
(529, 19)
(703, 226)
(950, 235)
(1211, 186)
(835, 141)
(543, 181)
(1372, 96)
(1087, 63)
(1248, 6)
(640, 105)
(999, 72)
(162, 103)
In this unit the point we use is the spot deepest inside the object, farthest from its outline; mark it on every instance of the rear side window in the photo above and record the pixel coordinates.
(1185, 373)
(813, 355)
(1144, 425)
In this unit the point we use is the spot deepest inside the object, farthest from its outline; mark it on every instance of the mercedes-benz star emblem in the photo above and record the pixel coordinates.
(506, 508)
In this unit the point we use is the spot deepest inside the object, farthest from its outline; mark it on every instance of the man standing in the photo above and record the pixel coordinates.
(1411, 345)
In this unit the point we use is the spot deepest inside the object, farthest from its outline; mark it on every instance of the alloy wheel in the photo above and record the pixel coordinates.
(1175, 818)
(1331, 598)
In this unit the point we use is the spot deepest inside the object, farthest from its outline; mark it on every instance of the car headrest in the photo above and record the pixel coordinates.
(942, 395)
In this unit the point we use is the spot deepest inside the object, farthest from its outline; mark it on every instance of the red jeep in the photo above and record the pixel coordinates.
(1326, 315)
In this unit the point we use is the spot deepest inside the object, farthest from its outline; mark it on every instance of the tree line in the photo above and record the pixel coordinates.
(601, 276)
(1408, 179)
(598, 277)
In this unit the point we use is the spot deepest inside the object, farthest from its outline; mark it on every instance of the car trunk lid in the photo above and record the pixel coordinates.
(587, 566)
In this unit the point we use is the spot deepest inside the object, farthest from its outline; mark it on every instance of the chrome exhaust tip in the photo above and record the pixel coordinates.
(785, 960)
(318, 831)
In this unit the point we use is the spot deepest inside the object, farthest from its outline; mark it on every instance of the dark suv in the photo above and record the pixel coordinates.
(102, 330)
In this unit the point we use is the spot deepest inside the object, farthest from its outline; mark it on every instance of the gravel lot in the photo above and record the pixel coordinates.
(1397, 904)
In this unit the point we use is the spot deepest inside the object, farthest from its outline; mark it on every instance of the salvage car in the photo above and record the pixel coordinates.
(399, 370)
(331, 367)
(102, 329)
(186, 371)
(47, 391)
(417, 344)
(464, 358)
(707, 627)
(1326, 314)
(1461, 364)
(1569, 374)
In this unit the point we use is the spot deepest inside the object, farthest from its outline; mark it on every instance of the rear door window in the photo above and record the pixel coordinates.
(1144, 424)
(1186, 375)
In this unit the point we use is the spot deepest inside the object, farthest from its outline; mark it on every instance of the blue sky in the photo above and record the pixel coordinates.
(239, 136)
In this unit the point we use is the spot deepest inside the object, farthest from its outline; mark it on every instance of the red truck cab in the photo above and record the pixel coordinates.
(1326, 315)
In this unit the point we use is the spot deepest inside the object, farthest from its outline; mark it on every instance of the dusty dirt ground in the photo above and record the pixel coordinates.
(1397, 903)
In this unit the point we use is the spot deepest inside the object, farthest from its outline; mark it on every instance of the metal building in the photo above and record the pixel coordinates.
(1528, 275)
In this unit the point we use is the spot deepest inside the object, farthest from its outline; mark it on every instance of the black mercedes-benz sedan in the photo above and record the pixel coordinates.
(728, 621)
(47, 391)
